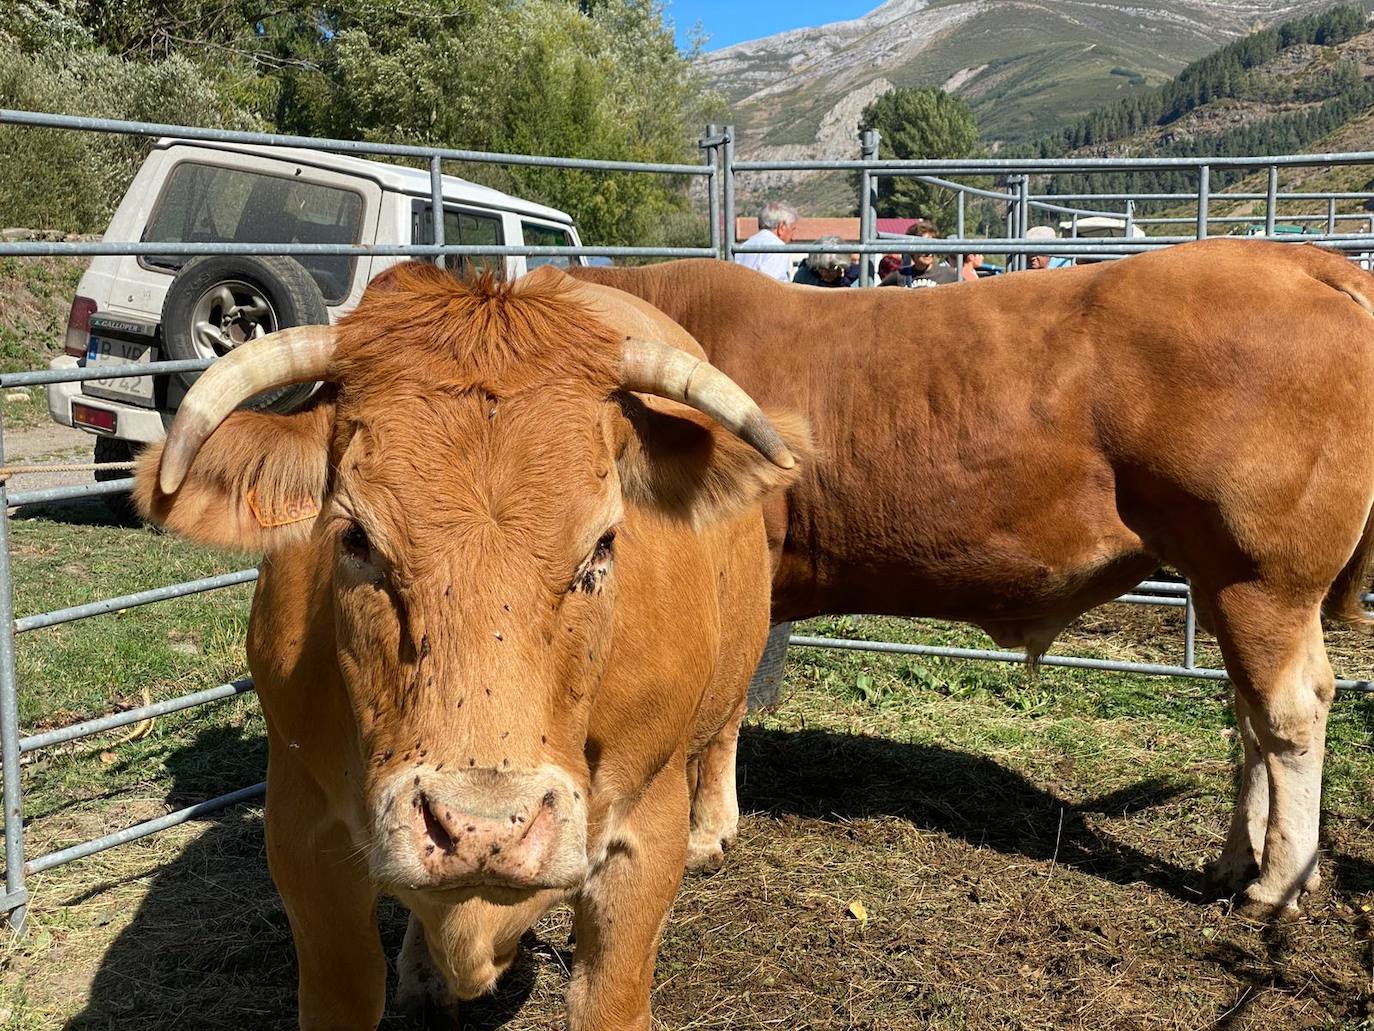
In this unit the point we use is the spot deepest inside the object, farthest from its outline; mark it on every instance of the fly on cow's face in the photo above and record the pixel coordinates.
(592, 573)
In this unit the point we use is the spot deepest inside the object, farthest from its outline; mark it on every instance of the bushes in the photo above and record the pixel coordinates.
(56, 179)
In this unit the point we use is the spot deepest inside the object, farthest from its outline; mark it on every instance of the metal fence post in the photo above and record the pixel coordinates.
(1129, 231)
(711, 158)
(1204, 184)
(1022, 216)
(1270, 201)
(868, 201)
(1331, 215)
(1189, 632)
(13, 793)
(436, 195)
(959, 227)
(728, 193)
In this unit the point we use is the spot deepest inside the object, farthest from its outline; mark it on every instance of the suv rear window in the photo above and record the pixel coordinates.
(461, 227)
(208, 204)
(537, 235)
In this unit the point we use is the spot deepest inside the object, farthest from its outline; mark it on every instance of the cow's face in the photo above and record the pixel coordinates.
(474, 541)
(463, 489)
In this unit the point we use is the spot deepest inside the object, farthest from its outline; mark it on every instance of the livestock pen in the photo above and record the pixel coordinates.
(930, 840)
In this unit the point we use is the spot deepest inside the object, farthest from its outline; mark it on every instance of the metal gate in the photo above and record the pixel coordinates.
(718, 169)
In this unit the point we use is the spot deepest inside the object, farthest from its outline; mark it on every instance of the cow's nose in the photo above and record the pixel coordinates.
(508, 846)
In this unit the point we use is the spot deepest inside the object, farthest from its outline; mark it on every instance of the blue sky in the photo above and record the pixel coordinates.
(733, 21)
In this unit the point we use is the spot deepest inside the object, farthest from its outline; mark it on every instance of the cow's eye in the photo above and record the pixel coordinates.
(602, 551)
(593, 571)
(355, 542)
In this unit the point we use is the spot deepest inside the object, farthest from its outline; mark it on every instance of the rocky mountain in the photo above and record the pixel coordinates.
(1025, 66)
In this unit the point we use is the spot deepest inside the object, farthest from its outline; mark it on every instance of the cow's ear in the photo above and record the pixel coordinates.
(688, 467)
(256, 484)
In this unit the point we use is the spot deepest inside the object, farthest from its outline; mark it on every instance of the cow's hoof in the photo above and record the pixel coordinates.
(1223, 878)
(1252, 905)
(704, 857)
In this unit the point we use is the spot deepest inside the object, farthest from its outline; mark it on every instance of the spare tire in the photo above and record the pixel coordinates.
(218, 301)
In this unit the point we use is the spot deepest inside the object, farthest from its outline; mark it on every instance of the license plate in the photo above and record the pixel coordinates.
(105, 351)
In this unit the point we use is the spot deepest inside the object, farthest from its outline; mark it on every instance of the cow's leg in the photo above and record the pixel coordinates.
(1239, 863)
(620, 910)
(329, 902)
(1277, 661)
(715, 804)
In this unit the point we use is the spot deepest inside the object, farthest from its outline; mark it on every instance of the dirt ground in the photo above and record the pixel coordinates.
(1017, 868)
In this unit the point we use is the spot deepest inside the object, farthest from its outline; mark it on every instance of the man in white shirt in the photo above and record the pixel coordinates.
(777, 224)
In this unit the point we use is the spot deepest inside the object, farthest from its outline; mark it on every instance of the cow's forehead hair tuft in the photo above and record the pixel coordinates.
(419, 325)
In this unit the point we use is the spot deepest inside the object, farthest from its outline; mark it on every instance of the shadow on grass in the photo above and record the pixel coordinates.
(824, 775)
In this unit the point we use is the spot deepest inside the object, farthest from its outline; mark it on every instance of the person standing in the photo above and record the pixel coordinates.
(928, 269)
(777, 225)
(825, 266)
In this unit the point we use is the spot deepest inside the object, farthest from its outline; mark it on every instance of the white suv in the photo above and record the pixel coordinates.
(150, 308)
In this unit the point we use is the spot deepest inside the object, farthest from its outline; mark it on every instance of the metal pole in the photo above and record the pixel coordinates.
(728, 192)
(1331, 215)
(1023, 216)
(959, 229)
(868, 198)
(1269, 200)
(711, 158)
(9, 722)
(1204, 177)
(1130, 219)
(436, 196)
(1189, 632)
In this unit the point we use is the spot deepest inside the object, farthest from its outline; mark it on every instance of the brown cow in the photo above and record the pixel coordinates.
(503, 629)
(1013, 452)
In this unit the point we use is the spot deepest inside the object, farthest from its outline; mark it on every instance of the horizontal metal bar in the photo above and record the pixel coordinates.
(1041, 205)
(42, 377)
(1172, 587)
(129, 601)
(87, 248)
(142, 830)
(13, 900)
(1194, 197)
(46, 495)
(1063, 245)
(188, 132)
(1151, 599)
(1162, 220)
(114, 721)
(1067, 661)
(935, 180)
(995, 166)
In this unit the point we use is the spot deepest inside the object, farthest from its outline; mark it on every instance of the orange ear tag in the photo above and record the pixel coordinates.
(292, 512)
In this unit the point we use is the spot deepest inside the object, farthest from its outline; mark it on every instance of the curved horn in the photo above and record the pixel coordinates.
(649, 367)
(296, 355)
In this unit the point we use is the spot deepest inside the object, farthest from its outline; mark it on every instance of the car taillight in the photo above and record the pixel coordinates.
(79, 327)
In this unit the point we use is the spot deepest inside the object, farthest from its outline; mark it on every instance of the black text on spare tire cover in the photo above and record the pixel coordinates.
(218, 301)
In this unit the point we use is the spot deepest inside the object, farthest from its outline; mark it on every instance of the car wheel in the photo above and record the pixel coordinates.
(112, 449)
(219, 301)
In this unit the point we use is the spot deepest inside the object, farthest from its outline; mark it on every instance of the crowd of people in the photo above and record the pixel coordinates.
(831, 265)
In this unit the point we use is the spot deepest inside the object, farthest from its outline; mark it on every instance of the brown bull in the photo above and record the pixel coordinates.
(1013, 452)
(490, 632)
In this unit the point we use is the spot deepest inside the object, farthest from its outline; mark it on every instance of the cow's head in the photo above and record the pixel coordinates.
(460, 488)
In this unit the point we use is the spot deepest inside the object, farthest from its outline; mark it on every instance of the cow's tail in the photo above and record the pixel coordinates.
(1344, 601)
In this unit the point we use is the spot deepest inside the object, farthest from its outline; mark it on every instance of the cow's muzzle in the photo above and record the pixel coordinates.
(482, 827)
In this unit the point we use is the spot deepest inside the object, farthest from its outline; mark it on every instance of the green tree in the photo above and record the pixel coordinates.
(914, 124)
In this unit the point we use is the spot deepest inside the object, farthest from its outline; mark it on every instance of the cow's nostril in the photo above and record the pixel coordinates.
(433, 828)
